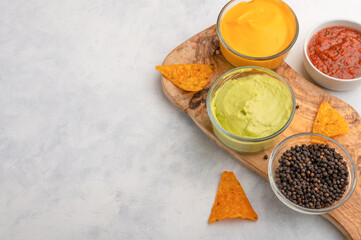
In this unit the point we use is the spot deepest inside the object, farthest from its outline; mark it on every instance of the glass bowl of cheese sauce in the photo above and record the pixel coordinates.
(257, 32)
(249, 107)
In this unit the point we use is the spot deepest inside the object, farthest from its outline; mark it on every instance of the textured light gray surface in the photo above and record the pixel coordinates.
(90, 147)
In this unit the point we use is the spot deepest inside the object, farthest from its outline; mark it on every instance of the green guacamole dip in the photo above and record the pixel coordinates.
(255, 106)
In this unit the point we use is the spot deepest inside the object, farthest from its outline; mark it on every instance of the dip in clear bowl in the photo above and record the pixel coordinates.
(322, 184)
(249, 107)
(256, 32)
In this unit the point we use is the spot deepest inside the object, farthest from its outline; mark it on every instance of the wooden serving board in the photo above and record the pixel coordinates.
(204, 48)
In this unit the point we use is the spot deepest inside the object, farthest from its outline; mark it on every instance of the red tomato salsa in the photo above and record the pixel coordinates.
(336, 51)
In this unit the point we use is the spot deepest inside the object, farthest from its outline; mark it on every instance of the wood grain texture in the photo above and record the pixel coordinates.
(204, 48)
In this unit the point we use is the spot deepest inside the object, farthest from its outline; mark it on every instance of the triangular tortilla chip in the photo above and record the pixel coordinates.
(189, 77)
(231, 201)
(329, 122)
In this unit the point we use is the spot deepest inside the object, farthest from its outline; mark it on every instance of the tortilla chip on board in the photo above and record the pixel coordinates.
(189, 77)
(231, 200)
(329, 122)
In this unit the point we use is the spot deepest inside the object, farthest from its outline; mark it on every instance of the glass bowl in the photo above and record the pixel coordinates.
(309, 138)
(238, 59)
(240, 144)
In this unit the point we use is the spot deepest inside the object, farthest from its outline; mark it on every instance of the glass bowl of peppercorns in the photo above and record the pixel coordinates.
(311, 173)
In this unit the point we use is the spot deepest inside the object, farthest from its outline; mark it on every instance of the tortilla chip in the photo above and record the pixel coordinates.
(231, 201)
(189, 77)
(329, 122)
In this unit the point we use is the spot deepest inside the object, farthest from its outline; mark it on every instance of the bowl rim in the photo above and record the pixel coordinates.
(257, 58)
(296, 207)
(231, 135)
(316, 28)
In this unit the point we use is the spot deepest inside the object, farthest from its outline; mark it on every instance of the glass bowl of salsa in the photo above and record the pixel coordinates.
(332, 54)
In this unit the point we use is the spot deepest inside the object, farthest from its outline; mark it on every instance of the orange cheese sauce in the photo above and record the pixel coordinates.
(259, 28)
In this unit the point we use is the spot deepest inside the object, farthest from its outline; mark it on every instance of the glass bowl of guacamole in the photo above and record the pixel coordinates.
(249, 107)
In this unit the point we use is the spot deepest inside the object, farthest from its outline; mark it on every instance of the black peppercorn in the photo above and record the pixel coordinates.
(312, 176)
